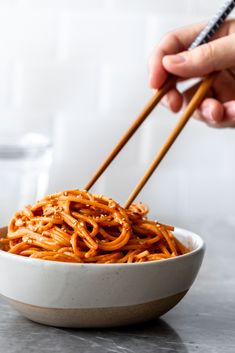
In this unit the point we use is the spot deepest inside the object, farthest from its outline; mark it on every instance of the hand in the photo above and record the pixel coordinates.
(170, 56)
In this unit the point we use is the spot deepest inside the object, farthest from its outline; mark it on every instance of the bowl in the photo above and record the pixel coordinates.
(98, 295)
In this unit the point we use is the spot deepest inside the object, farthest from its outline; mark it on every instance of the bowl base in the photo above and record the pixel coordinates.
(97, 317)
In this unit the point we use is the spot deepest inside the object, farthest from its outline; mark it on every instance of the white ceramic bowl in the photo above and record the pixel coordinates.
(98, 295)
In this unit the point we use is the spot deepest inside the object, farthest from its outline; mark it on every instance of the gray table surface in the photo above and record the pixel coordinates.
(204, 321)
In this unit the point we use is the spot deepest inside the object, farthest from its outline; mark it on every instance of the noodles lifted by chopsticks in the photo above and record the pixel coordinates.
(77, 226)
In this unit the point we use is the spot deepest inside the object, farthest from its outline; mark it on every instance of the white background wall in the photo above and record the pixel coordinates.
(78, 70)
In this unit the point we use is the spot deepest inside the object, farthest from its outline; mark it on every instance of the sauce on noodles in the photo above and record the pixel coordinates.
(77, 226)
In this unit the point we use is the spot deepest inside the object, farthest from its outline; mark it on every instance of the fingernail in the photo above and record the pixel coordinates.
(208, 113)
(176, 59)
(213, 115)
(165, 102)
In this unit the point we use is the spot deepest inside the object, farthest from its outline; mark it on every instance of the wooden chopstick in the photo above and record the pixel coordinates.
(170, 82)
(191, 107)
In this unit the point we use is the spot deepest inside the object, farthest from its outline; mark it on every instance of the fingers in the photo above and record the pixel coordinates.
(172, 43)
(223, 91)
(157, 73)
(215, 114)
(173, 100)
(213, 56)
(211, 111)
(176, 42)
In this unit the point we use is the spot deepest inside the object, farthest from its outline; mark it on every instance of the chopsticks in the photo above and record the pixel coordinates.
(203, 37)
(132, 129)
(191, 107)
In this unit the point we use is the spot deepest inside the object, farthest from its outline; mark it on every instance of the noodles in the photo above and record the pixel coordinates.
(76, 226)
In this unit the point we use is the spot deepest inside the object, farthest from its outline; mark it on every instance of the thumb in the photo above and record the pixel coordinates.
(216, 55)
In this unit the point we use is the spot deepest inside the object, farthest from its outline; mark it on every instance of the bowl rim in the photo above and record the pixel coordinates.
(180, 231)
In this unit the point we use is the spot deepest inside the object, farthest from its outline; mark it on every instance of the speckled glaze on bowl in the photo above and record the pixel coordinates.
(98, 295)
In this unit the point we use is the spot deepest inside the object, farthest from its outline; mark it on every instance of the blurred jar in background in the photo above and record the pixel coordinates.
(25, 161)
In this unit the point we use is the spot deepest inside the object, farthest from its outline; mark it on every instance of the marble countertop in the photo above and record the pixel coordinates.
(204, 321)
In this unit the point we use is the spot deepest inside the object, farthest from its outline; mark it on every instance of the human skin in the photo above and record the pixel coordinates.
(171, 56)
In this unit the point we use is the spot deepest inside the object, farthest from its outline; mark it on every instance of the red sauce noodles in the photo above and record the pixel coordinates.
(77, 226)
